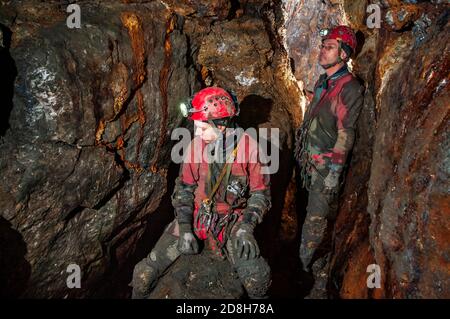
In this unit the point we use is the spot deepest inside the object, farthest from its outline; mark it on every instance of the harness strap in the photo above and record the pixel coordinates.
(225, 168)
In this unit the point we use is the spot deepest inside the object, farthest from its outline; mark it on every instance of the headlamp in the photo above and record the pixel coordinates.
(184, 109)
(187, 110)
(324, 32)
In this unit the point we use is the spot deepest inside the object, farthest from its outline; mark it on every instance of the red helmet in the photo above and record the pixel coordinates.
(210, 104)
(342, 34)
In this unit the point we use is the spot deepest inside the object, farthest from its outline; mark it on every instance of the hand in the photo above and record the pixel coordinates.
(244, 242)
(331, 182)
(187, 243)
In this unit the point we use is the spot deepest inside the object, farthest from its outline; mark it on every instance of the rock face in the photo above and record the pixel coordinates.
(85, 142)
(394, 210)
(410, 206)
(85, 158)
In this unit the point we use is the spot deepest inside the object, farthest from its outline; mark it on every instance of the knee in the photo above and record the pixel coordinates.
(255, 275)
(321, 205)
(144, 277)
(314, 226)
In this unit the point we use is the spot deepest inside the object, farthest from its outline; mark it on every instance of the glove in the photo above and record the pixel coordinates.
(331, 182)
(187, 243)
(244, 242)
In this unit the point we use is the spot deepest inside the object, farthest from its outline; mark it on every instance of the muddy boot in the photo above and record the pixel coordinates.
(319, 290)
(145, 276)
(148, 270)
(254, 274)
(320, 273)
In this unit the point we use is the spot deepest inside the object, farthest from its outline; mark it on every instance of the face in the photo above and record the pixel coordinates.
(329, 52)
(207, 132)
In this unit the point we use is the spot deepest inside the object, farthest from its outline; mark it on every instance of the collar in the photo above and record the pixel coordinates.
(324, 79)
(220, 150)
(339, 73)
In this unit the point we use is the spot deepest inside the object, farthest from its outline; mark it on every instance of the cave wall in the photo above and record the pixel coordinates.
(84, 160)
(394, 209)
(410, 207)
(407, 191)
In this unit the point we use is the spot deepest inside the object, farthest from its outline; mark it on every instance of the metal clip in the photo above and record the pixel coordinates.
(236, 188)
(206, 215)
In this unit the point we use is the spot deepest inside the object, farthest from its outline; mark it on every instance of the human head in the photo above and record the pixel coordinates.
(338, 45)
(212, 110)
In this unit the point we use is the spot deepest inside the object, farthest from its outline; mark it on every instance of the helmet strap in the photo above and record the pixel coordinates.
(227, 122)
(327, 66)
(210, 122)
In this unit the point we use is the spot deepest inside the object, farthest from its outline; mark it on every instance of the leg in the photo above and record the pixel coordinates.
(149, 269)
(315, 247)
(254, 273)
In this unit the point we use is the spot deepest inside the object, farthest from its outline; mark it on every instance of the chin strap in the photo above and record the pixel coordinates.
(327, 66)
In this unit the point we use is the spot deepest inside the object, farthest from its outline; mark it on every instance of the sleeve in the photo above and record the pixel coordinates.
(347, 112)
(185, 185)
(259, 201)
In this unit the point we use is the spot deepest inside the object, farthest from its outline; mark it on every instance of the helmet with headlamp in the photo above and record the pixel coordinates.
(210, 104)
(344, 35)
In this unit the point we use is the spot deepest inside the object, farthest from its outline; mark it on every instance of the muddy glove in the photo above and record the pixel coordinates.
(244, 242)
(331, 182)
(187, 243)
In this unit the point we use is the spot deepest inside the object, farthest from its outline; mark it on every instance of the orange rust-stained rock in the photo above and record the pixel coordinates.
(289, 222)
(99, 132)
(199, 8)
(411, 127)
(120, 88)
(163, 89)
(135, 30)
(354, 281)
(92, 109)
(398, 17)
(205, 73)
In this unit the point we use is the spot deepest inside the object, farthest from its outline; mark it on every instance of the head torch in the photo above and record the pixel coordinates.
(184, 109)
(187, 110)
(324, 32)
